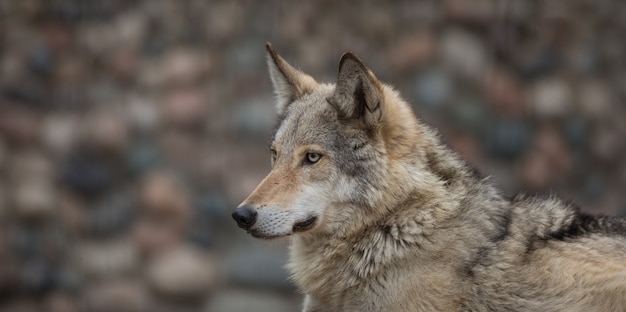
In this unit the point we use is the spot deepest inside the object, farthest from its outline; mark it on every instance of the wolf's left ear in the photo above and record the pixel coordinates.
(358, 93)
(289, 83)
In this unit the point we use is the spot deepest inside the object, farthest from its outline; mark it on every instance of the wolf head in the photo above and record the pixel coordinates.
(334, 153)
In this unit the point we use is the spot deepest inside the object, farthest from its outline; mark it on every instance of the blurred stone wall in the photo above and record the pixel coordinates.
(130, 129)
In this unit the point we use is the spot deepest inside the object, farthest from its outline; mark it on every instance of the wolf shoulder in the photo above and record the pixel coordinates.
(551, 226)
(553, 220)
(554, 256)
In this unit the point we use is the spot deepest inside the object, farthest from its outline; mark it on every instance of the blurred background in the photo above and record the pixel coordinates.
(129, 130)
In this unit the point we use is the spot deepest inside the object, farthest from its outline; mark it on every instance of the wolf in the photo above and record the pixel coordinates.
(383, 216)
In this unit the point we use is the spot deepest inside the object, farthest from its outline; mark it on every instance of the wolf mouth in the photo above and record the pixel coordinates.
(304, 225)
(267, 237)
(298, 227)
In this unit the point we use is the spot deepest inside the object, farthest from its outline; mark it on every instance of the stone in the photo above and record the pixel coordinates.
(4, 208)
(72, 213)
(535, 171)
(466, 145)
(26, 93)
(57, 35)
(551, 97)
(468, 114)
(416, 49)
(164, 304)
(34, 200)
(106, 258)
(481, 11)
(551, 144)
(40, 60)
(594, 187)
(162, 194)
(24, 243)
(179, 147)
(182, 274)
(94, 38)
(123, 63)
(4, 154)
(104, 97)
(607, 146)
(153, 236)
(583, 57)
(164, 215)
(60, 302)
(60, 132)
(106, 131)
(42, 242)
(67, 279)
(212, 205)
(248, 300)
(311, 54)
(577, 131)
(8, 270)
(149, 74)
(123, 295)
(549, 161)
(12, 65)
(242, 266)
(433, 88)
(221, 22)
(379, 22)
(504, 92)
(184, 107)
(538, 59)
(464, 54)
(35, 277)
(209, 211)
(620, 86)
(184, 67)
(54, 244)
(143, 157)
(31, 166)
(111, 214)
(555, 11)
(143, 113)
(23, 305)
(294, 24)
(243, 59)
(19, 126)
(254, 117)
(70, 97)
(595, 99)
(507, 138)
(622, 180)
(70, 69)
(86, 175)
(130, 28)
(199, 235)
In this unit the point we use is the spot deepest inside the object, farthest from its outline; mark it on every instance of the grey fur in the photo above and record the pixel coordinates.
(403, 224)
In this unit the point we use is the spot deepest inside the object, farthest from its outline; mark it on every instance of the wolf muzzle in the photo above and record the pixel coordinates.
(245, 217)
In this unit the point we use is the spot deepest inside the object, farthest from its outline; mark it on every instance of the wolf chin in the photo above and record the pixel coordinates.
(382, 216)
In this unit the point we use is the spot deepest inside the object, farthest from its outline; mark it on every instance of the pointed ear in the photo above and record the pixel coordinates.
(289, 83)
(358, 93)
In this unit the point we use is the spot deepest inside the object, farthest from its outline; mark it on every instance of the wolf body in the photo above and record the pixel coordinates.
(384, 217)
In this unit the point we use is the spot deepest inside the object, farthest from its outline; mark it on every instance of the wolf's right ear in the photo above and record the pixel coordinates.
(289, 83)
(358, 93)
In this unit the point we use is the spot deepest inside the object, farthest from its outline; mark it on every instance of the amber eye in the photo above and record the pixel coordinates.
(313, 157)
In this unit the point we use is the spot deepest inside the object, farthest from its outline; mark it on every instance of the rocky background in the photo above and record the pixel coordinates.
(129, 130)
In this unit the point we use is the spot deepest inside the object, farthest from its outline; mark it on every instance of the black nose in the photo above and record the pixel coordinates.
(245, 217)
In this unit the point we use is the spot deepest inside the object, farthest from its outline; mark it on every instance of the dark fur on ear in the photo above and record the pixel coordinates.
(289, 83)
(358, 93)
